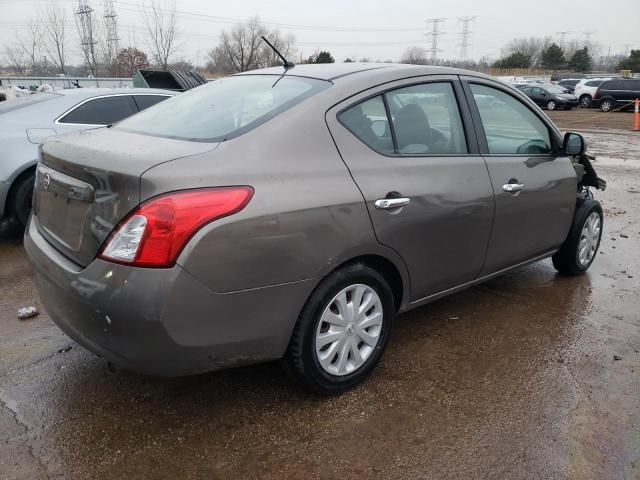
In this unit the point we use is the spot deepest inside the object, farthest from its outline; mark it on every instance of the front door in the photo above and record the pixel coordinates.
(426, 187)
(534, 184)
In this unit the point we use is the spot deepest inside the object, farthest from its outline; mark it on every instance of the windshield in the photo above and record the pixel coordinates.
(223, 109)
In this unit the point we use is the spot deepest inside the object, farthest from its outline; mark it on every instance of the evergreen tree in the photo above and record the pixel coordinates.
(581, 60)
(552, 57)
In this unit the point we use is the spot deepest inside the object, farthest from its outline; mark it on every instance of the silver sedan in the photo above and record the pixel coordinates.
(27, 121)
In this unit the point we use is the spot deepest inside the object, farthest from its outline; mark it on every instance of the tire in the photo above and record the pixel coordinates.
(568, 260)
(318, 366)
(20, 198)
(585, 101)
(551, 105)
(607, 105)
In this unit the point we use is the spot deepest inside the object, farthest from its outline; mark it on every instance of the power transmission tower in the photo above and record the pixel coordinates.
(111, 28)
(435, 34)
(587, 37)
(562, 35)
(85, 21)
(465, 33)
(626, 49)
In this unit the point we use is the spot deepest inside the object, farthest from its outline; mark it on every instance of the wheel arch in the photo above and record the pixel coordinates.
(27, 170)
(385, 261)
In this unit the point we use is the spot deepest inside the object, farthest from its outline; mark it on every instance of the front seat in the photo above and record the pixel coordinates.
(413, 132)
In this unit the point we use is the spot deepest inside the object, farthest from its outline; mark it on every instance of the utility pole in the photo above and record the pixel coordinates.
(85, 22)
(111, 27)
(562, 35)
(435, 34)
(465, 33)
(626, 49)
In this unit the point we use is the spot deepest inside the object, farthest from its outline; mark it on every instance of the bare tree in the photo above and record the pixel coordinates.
(16, 58)
(242, 48)
(160, 20)
(414, 55)
(54, 18)
(239, 49)
(31, 44)
(283, 43)
(531, 47)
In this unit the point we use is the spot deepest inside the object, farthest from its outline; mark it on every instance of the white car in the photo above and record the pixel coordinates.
(585, 89)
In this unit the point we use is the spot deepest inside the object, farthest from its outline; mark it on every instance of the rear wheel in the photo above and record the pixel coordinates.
(585, 101)
(606, 105)
(342, 330)
(551, 105)
(581, 246)
(20, 199)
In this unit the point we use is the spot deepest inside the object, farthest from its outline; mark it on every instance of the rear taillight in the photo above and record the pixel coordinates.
(595, 94)
(154, 234)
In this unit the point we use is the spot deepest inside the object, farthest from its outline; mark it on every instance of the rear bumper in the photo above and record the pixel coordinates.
(162, 322)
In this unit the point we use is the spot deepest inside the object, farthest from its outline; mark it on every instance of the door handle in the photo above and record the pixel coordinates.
(512, 187)
(391, 203)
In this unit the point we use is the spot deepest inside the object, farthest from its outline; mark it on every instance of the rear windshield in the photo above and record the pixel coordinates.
(21, 102)
(223, 109)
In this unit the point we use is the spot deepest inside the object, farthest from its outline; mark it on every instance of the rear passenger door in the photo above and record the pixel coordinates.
(411, 150)
(534, 184)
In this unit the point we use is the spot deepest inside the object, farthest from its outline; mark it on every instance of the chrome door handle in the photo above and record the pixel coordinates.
(512, 187)
(390, 203)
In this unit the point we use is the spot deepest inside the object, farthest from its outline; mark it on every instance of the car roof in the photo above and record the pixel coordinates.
(95, 92)
(334, 71)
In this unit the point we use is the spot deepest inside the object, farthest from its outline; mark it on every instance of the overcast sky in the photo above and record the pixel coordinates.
(377, 29)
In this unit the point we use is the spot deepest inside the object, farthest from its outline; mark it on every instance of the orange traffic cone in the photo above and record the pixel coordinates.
(636, 117)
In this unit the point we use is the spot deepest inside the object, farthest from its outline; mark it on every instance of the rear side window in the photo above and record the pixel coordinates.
(101, 111)
(225, 108)
(145, 101)
(509, 125)
(611, 85)
(369, 122)
(593, 83)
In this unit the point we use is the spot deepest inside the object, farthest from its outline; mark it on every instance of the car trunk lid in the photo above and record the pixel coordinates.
(89, 181)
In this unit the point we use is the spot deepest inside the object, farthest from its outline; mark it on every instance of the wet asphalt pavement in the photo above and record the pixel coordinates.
(515, 378)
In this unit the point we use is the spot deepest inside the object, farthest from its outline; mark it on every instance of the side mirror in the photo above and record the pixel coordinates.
(573, 144)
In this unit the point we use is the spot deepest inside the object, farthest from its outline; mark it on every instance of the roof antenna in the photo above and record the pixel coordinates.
(285, 63)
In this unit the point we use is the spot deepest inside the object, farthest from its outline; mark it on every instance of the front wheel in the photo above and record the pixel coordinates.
(579, 250)
(342, 330)
(551, 105)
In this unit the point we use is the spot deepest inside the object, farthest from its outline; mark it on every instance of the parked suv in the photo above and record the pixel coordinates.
(619, 93)
(586, 88)
(291, 213)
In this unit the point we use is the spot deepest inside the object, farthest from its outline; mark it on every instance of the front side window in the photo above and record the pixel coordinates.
(510, 127)
(426, 120)
(101, 111)
(225, 108)
(593, 83)
(368, 121)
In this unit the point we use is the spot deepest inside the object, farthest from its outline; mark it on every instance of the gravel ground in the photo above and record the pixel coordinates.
(530, 375)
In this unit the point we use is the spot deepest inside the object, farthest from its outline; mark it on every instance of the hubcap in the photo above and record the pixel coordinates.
(551, 105)
(349, 329)
(589, 239)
